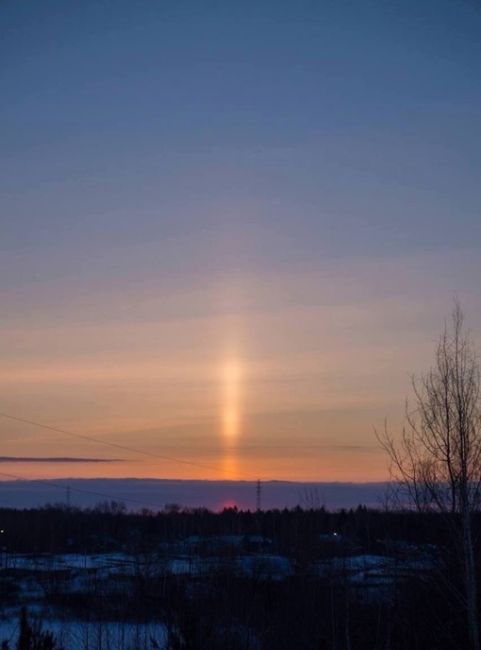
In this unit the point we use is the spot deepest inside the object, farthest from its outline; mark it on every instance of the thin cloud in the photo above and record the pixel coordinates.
(57, 459)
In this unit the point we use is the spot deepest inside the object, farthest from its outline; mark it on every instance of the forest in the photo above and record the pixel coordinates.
(186, 579)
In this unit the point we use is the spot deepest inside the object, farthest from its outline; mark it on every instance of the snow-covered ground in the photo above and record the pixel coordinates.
(109, 564)
(67, 561)
(78, 635)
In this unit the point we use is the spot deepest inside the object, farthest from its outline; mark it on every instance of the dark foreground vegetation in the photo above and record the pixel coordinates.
(283, 579)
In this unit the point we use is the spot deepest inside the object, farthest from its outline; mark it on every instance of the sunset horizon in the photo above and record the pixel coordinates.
(231, 235)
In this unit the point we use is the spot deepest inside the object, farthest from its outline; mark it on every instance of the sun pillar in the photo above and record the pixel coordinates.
(231, 382)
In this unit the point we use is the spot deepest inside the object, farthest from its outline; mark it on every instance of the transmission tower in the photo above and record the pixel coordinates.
(258, 495)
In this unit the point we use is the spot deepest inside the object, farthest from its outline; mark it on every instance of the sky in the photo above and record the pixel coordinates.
(230, 231)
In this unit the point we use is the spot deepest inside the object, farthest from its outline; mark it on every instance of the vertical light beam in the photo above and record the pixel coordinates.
(231, 400)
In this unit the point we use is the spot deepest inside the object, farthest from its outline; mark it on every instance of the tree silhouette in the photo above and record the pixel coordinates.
(437, 461)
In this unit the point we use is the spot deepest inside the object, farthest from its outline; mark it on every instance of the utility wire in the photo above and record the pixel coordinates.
(110, 444)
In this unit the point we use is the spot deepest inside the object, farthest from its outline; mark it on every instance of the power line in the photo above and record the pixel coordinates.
(110, 444)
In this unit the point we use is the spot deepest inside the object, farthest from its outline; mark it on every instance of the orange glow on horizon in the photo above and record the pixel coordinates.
(230, 469)
(331, 469)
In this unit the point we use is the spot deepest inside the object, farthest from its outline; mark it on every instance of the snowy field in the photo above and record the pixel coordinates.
(111, 564)
(78, 635)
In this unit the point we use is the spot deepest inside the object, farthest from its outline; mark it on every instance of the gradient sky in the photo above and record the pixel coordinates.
(231, 230)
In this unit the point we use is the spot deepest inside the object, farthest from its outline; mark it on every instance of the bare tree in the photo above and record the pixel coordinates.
(437, 460)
